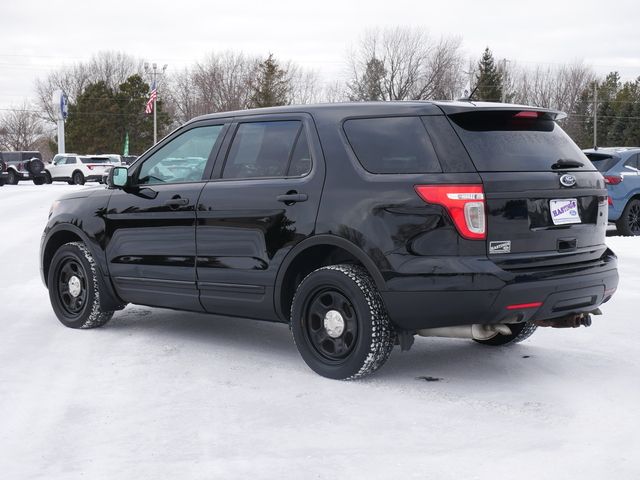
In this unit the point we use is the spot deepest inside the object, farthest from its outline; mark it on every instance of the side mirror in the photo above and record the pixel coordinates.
(117, 178)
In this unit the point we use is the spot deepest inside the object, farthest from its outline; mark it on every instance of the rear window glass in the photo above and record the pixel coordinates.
(392, 145)
(602, 162)
(95, 160)
(502, 141)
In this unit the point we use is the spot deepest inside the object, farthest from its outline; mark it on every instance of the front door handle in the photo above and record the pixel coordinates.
(176, 202)
(290, 198)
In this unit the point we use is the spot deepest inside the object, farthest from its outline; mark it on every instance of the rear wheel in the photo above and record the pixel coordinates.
(629, 222)
(339, 323)
(78, 178)
(519, 332)
(12, 178)
(73, 288)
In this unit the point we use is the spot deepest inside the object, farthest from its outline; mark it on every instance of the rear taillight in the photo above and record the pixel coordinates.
(90, 167)
(609, 201)
(20, 166)
(465, 204)
(612, 179)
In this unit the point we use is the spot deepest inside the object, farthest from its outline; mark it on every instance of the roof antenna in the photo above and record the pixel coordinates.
(470, 97)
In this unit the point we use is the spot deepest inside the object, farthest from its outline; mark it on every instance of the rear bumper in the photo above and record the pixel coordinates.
(559, 292)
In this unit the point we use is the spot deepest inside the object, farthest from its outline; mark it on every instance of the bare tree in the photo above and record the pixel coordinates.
(558, 87)
(113, 68)
(409, 64)
(20, 128)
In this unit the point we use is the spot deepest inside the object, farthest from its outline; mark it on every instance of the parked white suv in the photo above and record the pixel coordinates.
(79, 169)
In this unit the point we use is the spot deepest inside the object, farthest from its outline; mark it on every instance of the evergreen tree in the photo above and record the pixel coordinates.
(92, 124)
(370, 86)
(100, 119)
(272, 86)
(488, 79)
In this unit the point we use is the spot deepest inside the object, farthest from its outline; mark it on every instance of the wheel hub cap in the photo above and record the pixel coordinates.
(74, 286)
(333, 323)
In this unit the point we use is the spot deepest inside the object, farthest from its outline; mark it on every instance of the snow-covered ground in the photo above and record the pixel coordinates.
(157, 394)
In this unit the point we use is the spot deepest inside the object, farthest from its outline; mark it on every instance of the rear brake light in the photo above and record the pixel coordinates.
(612, 179)
(90, 167)
(520, 306)
(527, 115)
(464, 203)
(610, 201)
(20, 166)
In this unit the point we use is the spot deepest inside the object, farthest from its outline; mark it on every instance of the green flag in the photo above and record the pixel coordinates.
(126, 144)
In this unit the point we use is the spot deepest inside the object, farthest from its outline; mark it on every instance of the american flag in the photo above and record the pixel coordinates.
(152, 98)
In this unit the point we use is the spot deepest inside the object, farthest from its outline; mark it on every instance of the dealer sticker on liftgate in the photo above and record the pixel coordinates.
(564, 211)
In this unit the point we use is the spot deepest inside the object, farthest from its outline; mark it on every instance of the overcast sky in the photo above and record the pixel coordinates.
(37, 36)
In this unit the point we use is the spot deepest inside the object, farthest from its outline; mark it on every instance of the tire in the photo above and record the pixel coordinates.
(76, 303)
(629, 222)
(47, 178)
(12, 178)
(520, 332)
(78, 178)
(366, 338)
(39, 180)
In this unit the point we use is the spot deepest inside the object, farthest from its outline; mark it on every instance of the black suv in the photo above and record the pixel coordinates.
(360, 225)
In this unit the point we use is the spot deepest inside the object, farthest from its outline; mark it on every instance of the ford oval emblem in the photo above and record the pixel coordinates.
(568, 180)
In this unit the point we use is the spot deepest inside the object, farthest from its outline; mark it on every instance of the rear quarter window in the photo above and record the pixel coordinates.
(503, 141)
(392, 145)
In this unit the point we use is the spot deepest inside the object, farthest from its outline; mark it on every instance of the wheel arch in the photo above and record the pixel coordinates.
(313, 253)
(65, 233)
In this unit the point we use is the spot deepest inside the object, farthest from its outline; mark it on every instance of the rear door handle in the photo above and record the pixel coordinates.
(291, 198)
(176, 202)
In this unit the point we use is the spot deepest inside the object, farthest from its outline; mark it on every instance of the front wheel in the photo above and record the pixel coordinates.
(519, 333)
(73, 288)
(629, 222)
(339, 323)
(39, 181)
(47, 178)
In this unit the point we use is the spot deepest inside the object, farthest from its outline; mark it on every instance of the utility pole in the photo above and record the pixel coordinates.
(154, 76)
(504, 80)
(595, 115)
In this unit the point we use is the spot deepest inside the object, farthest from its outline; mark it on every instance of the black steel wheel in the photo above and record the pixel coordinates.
(519, 333)
(74, 289)
(47, 178)
(78, 178)
(339, 323)
(629, 222)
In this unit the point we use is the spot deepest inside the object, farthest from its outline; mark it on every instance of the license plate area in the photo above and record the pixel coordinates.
(564, 211)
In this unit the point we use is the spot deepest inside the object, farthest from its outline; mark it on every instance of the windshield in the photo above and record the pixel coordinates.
(509, 141)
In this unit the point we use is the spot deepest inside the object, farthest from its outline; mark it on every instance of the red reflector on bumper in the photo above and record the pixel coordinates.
(520, 306)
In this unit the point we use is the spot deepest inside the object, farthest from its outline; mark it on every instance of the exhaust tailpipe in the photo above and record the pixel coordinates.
(476, 331)
(570, 321)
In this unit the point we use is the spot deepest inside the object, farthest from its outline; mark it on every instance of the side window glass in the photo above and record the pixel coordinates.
(183, 159)
(392, 145)
(261, 149)
(301, 159)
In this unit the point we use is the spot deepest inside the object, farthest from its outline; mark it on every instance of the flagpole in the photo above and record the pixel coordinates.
(155, 85)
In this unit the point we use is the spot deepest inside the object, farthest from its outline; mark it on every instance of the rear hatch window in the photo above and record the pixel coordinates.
(602, 161)
(515, 141)
(95, 160)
